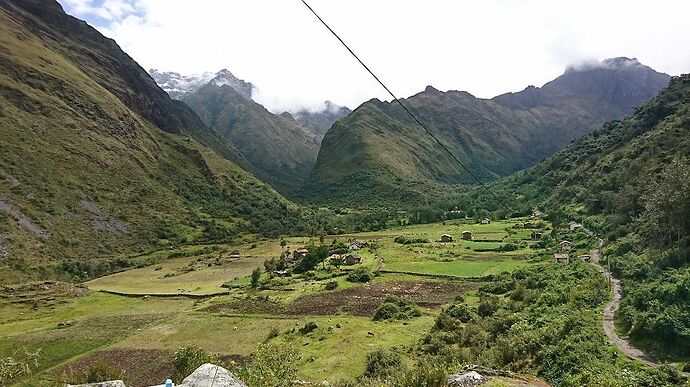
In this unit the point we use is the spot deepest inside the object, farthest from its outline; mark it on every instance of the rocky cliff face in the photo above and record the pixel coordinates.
(178, 85)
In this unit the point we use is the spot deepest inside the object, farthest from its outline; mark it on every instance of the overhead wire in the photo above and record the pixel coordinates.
(409, 112)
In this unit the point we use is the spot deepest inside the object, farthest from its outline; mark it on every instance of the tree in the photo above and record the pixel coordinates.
(666, 216)
(256, 276)
(316, 255)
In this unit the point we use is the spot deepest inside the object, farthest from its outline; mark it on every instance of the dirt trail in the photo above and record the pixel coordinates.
(610, 310)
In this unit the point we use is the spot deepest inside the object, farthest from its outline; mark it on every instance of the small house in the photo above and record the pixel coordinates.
(352, 259)
(335, 259)
(561, 257)
(528, 225)
(234, 255)
(357, 244)
(467, 235)
(300, 253)
(585, 257)
(536, 235)
(283, 273)
(486, 221)
(537, 214)
(566, 245)
(446, 238)
(574, 226)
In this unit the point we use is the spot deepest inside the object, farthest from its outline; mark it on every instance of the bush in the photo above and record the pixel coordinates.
(331, 285)
(408, 241)
(188, 359)
(360, 274)
(102, 372)
(387, 311)
(256, 276)
(396, 308)
(273, 365)
(518, 294)
(383, 363)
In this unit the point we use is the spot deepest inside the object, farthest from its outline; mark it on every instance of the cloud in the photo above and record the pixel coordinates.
(485, 47)
(102, 12)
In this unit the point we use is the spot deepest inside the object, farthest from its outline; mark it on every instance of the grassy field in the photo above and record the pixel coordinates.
(150, 329)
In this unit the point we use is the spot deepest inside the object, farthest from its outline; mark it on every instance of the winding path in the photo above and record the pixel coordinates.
(610, 311)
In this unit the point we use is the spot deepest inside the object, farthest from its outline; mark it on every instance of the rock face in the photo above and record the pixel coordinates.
(179, 85)
(211, 375)
(467, 379)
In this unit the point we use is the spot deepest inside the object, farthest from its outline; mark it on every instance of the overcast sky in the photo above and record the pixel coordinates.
(486, 47)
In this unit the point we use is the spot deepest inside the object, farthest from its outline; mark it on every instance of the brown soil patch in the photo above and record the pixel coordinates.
(41, 294)
(358, 301)
(139, 367)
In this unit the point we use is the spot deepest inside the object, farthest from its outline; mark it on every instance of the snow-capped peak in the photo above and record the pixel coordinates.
(178, 85)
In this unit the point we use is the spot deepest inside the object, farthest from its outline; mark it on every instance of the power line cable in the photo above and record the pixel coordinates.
(408, 110)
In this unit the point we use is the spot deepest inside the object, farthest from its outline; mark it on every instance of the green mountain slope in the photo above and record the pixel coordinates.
(98, 162)
(379, 153)
(630, 182)
(281, 151)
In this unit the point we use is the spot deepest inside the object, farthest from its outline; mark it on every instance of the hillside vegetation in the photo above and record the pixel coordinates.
(97, 161)
(628, 181)
(281, 151)
(378, 154)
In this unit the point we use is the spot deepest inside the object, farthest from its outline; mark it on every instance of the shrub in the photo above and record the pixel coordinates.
(408, 241)
(102, 372)
(256, 276)
(518, 294)
(487, 305)
(331, 285)
(396, 308)
(360, 274)
(387, 311)
(188, 359)
(273, 365)
(383, 363)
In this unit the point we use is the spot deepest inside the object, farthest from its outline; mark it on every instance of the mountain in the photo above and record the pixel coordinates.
(178, 85)
(630, 182)
(99, 163)
(378, 154)
(282, 151)
(281, 148)
(319, 121)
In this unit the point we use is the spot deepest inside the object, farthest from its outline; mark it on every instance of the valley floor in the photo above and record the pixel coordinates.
(200, 295)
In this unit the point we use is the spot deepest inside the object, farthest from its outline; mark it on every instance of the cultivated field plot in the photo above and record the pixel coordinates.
(74, 326)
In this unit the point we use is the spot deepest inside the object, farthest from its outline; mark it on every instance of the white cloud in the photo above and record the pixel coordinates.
(485, 47)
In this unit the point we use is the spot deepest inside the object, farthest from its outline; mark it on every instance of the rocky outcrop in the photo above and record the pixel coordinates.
(206, 375)
(179, 85)
(466, 379)
(211, 375)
